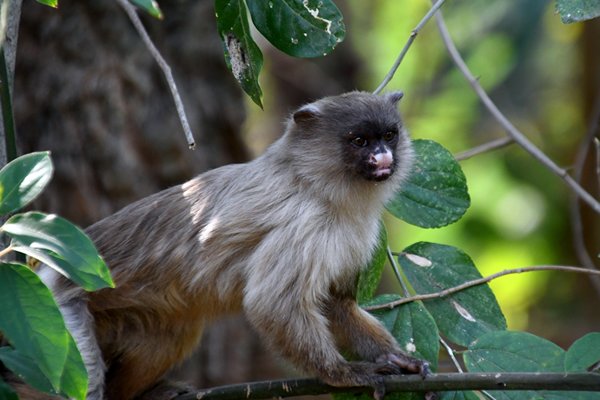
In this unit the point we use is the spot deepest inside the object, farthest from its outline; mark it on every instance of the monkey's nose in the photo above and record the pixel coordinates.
(381, 160)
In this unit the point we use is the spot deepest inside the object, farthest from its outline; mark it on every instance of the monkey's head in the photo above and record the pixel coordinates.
(357, 135)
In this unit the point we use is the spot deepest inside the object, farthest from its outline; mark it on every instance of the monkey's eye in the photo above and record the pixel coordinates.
(389, 136)
(359, 141)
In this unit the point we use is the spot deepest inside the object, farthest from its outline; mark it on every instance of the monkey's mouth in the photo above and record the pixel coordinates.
(381, 174)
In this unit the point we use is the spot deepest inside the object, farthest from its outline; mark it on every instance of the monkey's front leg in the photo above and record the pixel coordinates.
(293, 323)
(363, 335)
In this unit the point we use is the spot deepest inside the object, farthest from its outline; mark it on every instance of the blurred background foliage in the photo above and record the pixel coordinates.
(533, 67)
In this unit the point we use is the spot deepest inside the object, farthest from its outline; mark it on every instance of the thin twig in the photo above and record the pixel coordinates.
(5, 251)
(484, 148)
(575, 208)
(407, 383)
(480, 281)
(411, 39)
(396, 270)
(451, 355)
(512, 131)
(137, 23)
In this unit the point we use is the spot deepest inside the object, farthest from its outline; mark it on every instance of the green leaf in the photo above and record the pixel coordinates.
(6, 392)
(463, 316)
(436, 192)
(25, 368)
(505, 351)
(458, 396)
(583, 354)
(150, 6)
(23, 179)
(412, 326)
(31, 321)
(242, 55)
(368, 279)
(577, 10)
(67, 247)
(300, 28)
(51, 3)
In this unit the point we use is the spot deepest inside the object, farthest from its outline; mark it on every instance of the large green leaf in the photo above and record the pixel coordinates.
(436, 192)
(242, 55)
(584, 354)
(461, 317)
(458, 396)
(412, 326)
(577, 10)
(300, 28)
(30, 319)
(368, 279)
(505, 351)
(150, 6)
(23, 179)
(67, 247)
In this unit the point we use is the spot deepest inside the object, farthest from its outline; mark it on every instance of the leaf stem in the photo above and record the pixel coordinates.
(7, 110)
(5, 251)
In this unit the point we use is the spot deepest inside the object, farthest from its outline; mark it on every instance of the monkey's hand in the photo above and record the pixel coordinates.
(400, 363)
(372, 374)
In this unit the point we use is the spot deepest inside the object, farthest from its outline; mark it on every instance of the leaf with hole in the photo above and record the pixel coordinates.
(242, 55)
(463, 316)
(435, 193)
(300, 28)
(63, 244)
(23, 179)
(577, 10)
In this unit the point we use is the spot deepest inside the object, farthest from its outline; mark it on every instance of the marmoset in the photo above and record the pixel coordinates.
(281, 238)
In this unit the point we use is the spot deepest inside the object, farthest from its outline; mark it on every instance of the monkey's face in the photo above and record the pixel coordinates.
(356, 135)
(370, 150)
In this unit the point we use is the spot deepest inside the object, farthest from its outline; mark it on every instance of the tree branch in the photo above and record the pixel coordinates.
(137, 23)
(407, 383)
(484, 148)
(480, 281)
(512, 131)
(411, 39)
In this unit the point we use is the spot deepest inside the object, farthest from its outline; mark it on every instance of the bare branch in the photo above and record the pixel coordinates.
(512, 131)
(575, 209)
(407, 383)
(484, 148)
(411, 39)
(480, 281)
(164, 66)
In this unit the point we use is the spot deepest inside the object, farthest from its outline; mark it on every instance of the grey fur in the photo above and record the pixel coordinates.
(281, 238)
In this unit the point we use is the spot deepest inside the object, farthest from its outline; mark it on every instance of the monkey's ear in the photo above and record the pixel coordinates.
(307, 112)
(394, 97)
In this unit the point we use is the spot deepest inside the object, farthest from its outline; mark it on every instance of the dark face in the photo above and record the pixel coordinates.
(370, 150)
